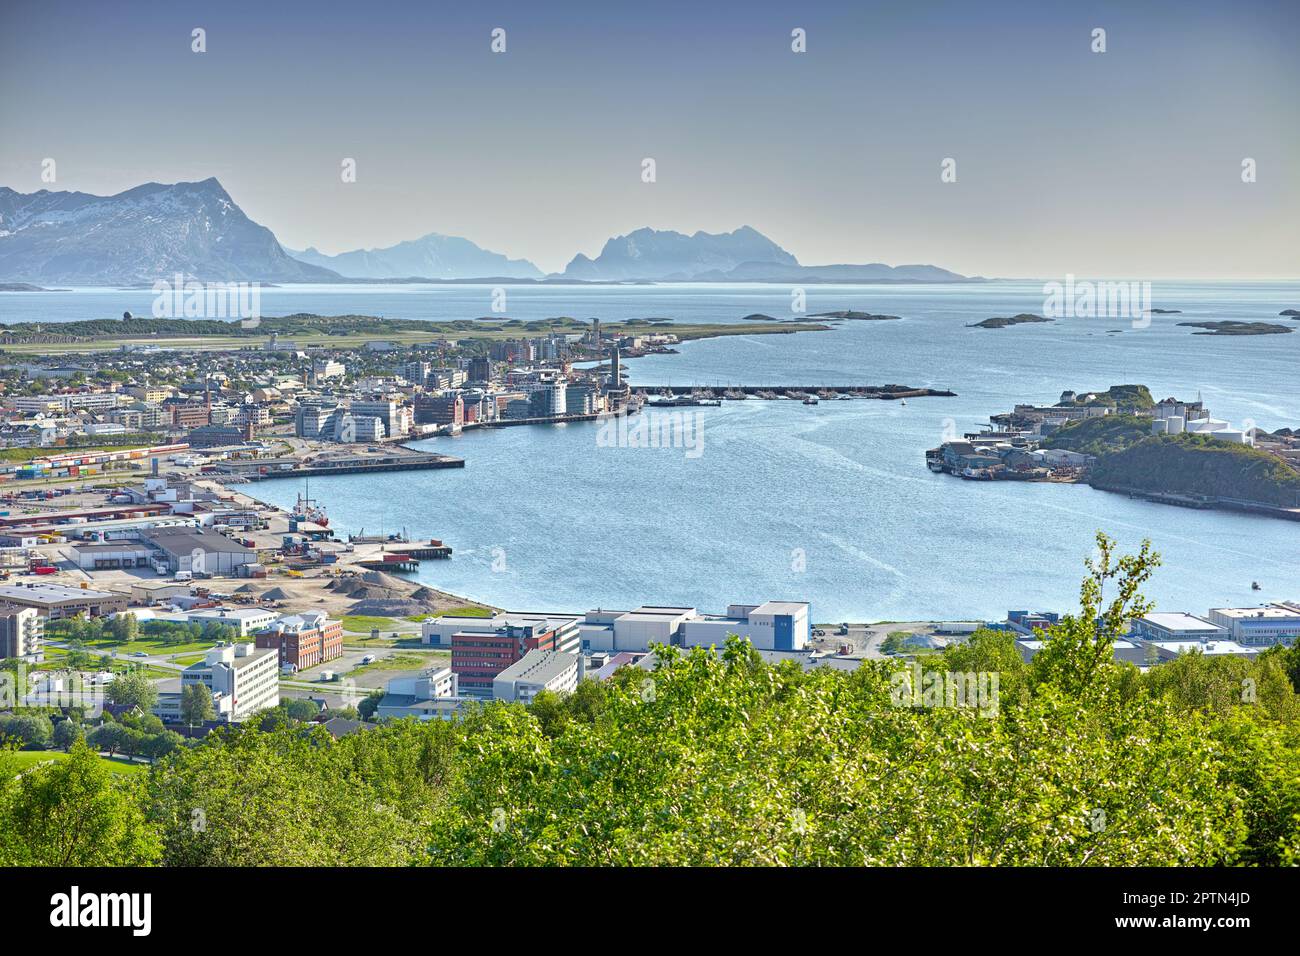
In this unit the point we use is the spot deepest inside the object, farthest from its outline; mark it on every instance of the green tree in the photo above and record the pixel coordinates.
(196, 705)
(67, 733)
(1077, 649)
(73, 812)
(133, 689)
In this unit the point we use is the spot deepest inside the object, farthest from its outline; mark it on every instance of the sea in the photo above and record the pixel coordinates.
(828, 503)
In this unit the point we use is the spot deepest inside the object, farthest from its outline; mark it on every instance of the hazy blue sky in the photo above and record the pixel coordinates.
(1126, 163)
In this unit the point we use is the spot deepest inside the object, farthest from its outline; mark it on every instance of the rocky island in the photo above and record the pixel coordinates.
(1003, 322)
(1230, 327)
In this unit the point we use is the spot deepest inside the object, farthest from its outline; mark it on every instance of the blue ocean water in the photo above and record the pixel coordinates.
(829, 503)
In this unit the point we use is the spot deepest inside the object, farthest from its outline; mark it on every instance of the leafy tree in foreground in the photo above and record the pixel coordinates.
(74, 812)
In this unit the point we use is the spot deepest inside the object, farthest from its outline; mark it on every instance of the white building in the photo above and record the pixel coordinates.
(323, 369)
(537, 671)
(21, 631)
(1123, 651)
(242, 679)
(772, 626)
(1274, 624)
(1176, 626)
(433, 695)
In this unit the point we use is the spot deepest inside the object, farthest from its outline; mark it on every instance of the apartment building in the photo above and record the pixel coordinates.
(21, 631)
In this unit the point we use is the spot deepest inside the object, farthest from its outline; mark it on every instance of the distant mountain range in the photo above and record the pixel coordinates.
(434, 256)
(154, 231)
(142, 235)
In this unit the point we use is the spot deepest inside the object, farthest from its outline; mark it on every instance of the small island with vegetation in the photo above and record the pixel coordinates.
(1001, 322)
(1230, 327)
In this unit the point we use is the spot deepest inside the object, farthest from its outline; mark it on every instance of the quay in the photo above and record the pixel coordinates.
(261, 469)
(735, 392)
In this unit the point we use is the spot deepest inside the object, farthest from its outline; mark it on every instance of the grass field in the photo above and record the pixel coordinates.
(364, 624)
(30, 758)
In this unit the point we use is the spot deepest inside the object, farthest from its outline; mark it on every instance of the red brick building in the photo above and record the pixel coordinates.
(304, 640)
(478, 656)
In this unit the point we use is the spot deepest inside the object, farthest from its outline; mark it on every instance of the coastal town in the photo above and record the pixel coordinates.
(142, 582)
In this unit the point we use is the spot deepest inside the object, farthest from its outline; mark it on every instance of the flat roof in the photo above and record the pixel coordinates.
(1178, 621)
(186, 539)
(52, 593)
(1274, 612)
(539, 666)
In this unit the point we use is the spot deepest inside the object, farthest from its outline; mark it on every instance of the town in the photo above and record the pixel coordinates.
(1121, 440)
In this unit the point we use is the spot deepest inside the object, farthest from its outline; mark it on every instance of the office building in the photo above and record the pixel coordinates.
(537, 671)
(1259, 626)
(241, 678)
(303, 640)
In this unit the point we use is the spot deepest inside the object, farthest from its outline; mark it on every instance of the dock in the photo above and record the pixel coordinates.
(264, 469)
(739, 392)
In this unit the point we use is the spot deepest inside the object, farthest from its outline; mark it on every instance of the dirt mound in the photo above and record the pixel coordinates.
(385, 580)
(244, 589)
(275, 594)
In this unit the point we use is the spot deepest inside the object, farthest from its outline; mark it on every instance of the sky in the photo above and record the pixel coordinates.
(1126, 163)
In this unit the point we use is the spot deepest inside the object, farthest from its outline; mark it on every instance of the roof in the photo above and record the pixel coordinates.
(182, 540)
(52, 593)
(539, 667)
(1273, 612)
(780, 607)
(1178, 621)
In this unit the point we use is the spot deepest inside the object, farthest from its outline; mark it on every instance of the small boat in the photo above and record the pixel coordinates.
(902, 401)
(810, 400)
(1254, 585)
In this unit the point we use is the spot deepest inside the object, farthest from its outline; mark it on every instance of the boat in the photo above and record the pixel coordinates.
(810, 400)
(902, 401)
(307, 509)
(1254, 585)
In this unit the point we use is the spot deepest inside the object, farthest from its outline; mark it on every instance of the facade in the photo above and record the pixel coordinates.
(197, 550)
(242, 679)
(1176, 626)
(1256, 626)
(481, 648)
(537, 671)
(21, 631)
(56, 601)
(773, 626)
(303, 640)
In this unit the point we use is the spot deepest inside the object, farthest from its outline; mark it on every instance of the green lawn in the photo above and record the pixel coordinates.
(364, 623)
(30, 758)
(398, 662)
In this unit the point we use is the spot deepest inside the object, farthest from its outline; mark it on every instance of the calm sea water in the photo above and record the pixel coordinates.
(829, 503)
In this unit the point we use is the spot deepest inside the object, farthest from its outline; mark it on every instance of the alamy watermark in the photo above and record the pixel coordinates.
(180, 299)
(916, 687)
(654, 428)
(1085, 299)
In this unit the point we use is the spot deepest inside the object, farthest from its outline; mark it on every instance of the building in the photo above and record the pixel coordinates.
(448, 409)
(21, 631)
(56, 601)
(535, 672)
(480, 369)
(1255, 626)
(1169, 650)
(481, 648)
(197, 551)
(636, 630)
(1176, 626)
(549, 400)
(241, 678)
(303, 640)
(772, 626)
(1122, 652)
(325, 369)
(433, 695)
